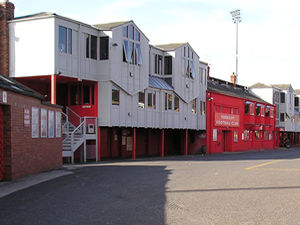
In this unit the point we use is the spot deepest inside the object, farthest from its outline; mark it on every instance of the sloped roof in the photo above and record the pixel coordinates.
(260, 85)
(36, 15)
(10, 84)
(110, 26)
(156, 82)
(227, 88)
(170, 47)
(282, 86)
(297, 91)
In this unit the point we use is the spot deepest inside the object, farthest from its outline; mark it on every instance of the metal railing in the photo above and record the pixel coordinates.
(73, 117)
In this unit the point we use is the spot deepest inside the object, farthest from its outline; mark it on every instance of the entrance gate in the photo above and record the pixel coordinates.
(1, 145)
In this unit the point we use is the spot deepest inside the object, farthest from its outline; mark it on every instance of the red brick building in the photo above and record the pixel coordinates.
(237, 119)
(30, 131)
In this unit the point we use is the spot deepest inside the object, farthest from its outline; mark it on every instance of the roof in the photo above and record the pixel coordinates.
(297, 91)
(227, 88)
(156, 82)
(260, 85)
(12, 85)
(36, 15)
(170, 47)
(282, 86)
(110, 26)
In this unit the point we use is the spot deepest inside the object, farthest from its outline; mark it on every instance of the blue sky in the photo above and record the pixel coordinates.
(269, 34)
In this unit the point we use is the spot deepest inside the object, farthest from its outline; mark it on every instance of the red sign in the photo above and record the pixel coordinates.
(227, 120)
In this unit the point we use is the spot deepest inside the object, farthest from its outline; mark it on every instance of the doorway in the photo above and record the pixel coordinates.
(226, 140)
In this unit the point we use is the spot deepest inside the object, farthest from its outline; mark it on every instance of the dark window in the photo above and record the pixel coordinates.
(267, 112)
(296, 101)
(93, 47)
(168, 64)
(104, 48)
(194, 105)
(141, 103)
(137, 35)
(282, 97)
(87, 46)
(166, 101)
(75, 95)
(247, 109)
(282, 117)
(150, 102)
(93, 94)
(154, 100)
(86, 94)
(155, 63)
(257, 110)
(159, 64)
(115, 99)
(170, 100)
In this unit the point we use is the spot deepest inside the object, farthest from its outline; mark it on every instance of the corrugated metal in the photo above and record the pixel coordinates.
(157, 82)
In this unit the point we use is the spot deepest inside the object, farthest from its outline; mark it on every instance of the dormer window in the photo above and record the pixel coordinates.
(131, 45)
(188, 68)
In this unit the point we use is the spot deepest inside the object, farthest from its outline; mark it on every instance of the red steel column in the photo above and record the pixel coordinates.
(53, 89)
(99, 144)
(162, 152)
(186, 142)
(134, 144)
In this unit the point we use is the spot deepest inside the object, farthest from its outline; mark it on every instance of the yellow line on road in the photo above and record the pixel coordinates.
(263, 164)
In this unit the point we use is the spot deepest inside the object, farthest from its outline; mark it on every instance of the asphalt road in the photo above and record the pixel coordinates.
(237, 188)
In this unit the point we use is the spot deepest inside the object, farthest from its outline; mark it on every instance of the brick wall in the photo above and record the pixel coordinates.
(7, 12)
(24, 154)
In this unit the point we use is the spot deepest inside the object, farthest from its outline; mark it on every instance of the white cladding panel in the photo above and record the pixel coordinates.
(132, 78)
(37, 41)
(32, 47)
(77, 64)
(187, 88)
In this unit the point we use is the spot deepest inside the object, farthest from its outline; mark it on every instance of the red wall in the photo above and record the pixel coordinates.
(225, 134)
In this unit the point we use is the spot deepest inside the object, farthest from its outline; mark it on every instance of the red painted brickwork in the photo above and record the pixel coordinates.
(24, 154)
(7, 11)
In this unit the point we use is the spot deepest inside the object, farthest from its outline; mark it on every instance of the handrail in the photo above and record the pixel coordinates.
(73, 113)
(67, 120)
(72, 134)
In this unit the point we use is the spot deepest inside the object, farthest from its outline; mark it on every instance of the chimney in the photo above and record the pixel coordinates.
(233, 79)
(7, 10)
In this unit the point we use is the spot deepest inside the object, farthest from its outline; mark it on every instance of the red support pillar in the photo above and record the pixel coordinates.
(53, 89)
(99, 144)
(186, 142)
(162, 150)
(134, 144)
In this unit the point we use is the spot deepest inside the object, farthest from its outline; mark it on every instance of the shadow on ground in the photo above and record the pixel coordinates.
(116, 195)
(292, 153)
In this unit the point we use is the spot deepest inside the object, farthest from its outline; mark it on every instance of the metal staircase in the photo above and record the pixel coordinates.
(77, 130)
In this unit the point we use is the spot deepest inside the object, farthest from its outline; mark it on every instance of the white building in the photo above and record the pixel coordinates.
(146, 99)
(286, 100)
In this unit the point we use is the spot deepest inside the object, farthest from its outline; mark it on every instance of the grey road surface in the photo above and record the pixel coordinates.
(240, 188)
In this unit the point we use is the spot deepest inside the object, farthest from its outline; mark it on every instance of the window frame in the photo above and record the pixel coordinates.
(141, 99)
(65, 40)
(114, 89)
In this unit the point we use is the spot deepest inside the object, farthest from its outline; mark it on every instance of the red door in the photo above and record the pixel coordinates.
(1, 145)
